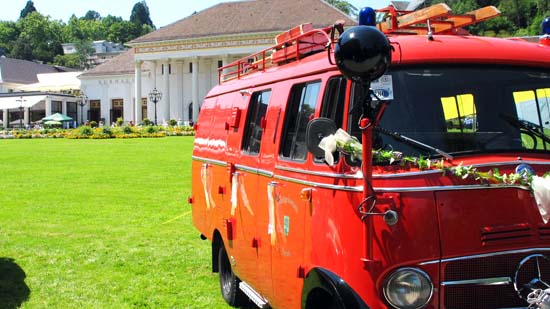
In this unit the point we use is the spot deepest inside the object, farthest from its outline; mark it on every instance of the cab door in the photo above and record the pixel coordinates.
(286, 203)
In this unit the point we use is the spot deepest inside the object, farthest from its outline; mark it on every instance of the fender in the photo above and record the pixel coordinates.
(329, 283)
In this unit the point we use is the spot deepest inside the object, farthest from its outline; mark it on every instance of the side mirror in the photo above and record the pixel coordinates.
(317, 129)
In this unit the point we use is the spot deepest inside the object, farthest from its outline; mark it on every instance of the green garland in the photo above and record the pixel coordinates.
(460, 171)
(352, 147)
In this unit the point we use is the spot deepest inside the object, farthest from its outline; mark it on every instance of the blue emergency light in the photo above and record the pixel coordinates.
(546, 26)
(367, 17)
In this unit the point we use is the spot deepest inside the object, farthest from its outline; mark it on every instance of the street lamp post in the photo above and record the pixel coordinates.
(83, 101)
(21, 107)
(155, 96)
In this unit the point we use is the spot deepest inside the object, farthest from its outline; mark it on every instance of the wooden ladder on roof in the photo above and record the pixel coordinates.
(438, 18)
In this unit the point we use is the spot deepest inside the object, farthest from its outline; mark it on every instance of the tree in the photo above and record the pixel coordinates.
(69, 61)
(124, 31)
(140, 14)
(92, 15)
(344, 6)
(79, 29)
(41, 35)
(22, 49)
(29, 8)
(84, 50)
(8, 35)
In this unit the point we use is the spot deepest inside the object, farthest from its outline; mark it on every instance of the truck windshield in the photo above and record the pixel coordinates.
(464, 109)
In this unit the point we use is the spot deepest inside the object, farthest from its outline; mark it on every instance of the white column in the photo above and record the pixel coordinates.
(150, 105)
(137, 94)
(225, 61)
(105, 103)
(5, 118)
(179, 104)
(64, 106)
(154, 73)
(213, 74)
(195, 88)
(48, 104)
(26, 116)
(166, 92)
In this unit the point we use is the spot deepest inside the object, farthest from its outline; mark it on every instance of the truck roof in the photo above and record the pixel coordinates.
(461, 49)
(410, 50)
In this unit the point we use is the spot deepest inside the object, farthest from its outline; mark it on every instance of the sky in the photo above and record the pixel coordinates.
(162, 12)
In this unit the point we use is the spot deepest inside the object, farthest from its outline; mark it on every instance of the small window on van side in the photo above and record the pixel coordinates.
(300, 110)
(332, 107)
(253, 131)
(334, 100)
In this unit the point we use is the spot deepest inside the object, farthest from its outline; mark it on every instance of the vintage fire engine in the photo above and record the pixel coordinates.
(399, 163)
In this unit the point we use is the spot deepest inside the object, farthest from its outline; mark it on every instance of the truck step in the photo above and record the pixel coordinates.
(254, 296)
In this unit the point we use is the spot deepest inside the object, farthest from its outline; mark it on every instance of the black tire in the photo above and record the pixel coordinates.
(229, 283)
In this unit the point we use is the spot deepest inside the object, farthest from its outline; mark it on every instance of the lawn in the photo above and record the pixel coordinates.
(101, 224)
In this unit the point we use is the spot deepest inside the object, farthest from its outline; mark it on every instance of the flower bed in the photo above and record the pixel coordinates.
(87, 132)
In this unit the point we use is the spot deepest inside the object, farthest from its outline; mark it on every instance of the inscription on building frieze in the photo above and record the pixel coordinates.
(203, 45)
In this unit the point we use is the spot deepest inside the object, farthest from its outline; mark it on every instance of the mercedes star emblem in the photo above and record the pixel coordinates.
(531, 274)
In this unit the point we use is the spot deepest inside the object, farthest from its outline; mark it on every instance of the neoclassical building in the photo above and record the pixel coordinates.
(181, 60)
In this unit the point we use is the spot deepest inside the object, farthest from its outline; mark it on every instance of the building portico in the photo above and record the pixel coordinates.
(182, 59)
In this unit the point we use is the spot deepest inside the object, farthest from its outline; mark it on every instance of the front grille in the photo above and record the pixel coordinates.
(483, 295)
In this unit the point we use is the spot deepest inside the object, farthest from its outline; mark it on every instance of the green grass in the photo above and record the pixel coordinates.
(101, 224)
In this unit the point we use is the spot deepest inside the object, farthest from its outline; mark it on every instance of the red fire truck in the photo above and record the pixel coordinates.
(386, 165)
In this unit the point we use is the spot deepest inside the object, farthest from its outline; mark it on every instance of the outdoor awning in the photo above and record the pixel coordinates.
(15, 102)
(57, 117)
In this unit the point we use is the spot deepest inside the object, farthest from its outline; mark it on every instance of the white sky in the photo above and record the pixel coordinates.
(163, 12)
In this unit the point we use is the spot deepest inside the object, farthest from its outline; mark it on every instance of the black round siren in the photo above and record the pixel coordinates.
(363, 53)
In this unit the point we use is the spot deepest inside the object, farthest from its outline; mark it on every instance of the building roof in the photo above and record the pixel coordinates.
(23, 71)
(251, 16)
(64, 81)
(119, 65)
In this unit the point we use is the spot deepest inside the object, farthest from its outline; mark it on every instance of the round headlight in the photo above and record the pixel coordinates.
(408, 288)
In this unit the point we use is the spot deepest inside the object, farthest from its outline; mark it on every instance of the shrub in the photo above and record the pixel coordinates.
(119, 121)
(151, 129)
(85, 131)
(107, 131)
(147, 122)
(172, 122)
(93, 124)
(127, 130)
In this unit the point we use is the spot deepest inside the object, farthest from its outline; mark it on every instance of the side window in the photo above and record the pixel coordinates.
(334, 100)
(300, 110)
(333, 105)
(253, 126)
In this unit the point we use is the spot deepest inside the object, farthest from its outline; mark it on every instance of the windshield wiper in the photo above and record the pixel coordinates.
(413, 142)
(530, 127)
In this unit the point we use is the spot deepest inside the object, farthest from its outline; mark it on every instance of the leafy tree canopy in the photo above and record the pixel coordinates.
(344, 6)
(39, 33)
(140, 14)
(518, 17)
(92, 15)
(29, 8)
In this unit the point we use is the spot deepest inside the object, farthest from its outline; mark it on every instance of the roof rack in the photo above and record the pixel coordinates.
(303, 40)
(290, 45)
(435, 19)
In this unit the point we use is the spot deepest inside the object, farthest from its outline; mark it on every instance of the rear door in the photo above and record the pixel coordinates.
(246, 208)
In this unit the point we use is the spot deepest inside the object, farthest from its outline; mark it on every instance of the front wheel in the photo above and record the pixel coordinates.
(229, 283)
